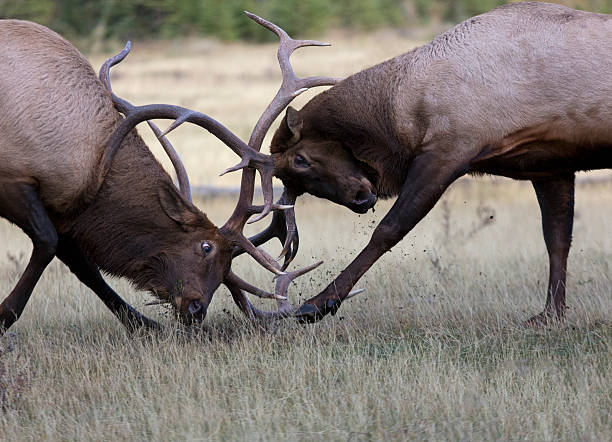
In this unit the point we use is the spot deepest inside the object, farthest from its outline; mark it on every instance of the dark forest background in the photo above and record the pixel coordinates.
(139, 19)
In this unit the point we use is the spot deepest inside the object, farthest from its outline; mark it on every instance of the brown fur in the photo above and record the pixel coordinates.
(523, 91)
(57, 119)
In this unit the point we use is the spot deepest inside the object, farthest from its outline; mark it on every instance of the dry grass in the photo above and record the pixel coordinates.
(434, 350)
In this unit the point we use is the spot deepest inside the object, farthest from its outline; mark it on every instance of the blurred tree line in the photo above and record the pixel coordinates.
(223, 19)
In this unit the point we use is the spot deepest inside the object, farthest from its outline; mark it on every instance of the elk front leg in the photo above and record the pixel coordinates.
(87, 272)
(20, 204)
(427, 179)
(556, 199)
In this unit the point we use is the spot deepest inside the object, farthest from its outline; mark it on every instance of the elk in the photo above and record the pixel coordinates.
(79, 181)
(523, 91)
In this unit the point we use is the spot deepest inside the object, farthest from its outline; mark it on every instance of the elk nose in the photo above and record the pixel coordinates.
(196, 308)
(364, 201)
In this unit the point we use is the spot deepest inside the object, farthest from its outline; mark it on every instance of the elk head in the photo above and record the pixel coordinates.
(210, 250)
(307, 159)
(196, 258)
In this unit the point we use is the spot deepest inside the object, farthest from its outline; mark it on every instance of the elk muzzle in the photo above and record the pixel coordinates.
(364, 199)
(363, 202)
(192, 309)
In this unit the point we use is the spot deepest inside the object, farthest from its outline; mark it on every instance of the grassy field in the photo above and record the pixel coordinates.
(435, 349)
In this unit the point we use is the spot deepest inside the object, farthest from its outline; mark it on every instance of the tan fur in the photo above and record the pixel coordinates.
(523, 91)
(56, 115)
(491, 89)
(516, 69)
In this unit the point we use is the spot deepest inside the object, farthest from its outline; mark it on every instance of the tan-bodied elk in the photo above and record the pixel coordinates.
(523, 91)
(85, 188)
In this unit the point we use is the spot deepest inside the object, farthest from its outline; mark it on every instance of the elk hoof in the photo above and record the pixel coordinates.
(309, 314)
(544, 319)
(332, 306)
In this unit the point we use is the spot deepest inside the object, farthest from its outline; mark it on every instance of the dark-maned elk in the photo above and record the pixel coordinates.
(98, 201)
(523, 91)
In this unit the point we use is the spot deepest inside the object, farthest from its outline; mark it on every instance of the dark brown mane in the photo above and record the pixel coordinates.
(362, 123)
(117, 230)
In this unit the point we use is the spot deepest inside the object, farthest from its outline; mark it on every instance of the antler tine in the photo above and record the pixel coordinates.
(260, 255)
(282, 286)
(275, 207)
(125, 106)
(284, 307)
(232, 278)
(288, 237)
(268, 25)
(175, 159)
(283, 227)
(121, 105)
(291, 87)
(292, 242)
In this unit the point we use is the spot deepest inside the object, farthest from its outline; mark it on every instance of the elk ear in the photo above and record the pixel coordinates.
(176, 207)
(294, 123)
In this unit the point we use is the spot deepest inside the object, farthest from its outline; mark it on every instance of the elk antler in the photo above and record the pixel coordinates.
(284, 228)
(125, 107)
(251, 159)
(291, 87)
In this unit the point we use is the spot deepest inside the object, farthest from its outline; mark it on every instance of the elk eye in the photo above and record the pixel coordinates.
(300, 161)
(206, 247)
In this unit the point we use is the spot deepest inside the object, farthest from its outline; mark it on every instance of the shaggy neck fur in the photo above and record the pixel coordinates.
(125, 230)
(357, 113)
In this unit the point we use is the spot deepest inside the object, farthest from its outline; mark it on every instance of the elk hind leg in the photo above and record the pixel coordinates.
(21, 205)
(556, 199)
(87, 272)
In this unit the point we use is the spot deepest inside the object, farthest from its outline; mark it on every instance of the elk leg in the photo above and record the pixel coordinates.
(20, 204)
(556, 199)
(87, 272)
(426, 182)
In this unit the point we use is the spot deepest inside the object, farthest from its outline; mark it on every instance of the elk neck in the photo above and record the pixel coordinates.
(125, 230)
(358, 112)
